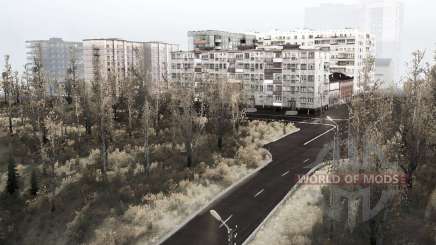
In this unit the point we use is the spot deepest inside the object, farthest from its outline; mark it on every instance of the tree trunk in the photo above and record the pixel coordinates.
(88, 124)
(11, 131)
(220, 132)
(146, 152)
(130, 119)
(372, 232)
(104, 153)
(189, 154)
(53, 187)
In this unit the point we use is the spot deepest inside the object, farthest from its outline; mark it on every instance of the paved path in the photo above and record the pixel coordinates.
(249, 203)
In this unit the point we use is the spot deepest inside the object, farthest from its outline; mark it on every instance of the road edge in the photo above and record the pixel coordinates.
(285, 198)
(227, 190)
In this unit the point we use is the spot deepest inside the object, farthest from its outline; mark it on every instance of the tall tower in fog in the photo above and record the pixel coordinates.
(383, 18)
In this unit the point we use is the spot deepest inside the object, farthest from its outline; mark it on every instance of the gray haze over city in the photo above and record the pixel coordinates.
(169, 20)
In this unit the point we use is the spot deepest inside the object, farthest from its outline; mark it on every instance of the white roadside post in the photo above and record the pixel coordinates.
(230, 235)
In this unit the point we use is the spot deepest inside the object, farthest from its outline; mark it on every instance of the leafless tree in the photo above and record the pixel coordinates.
(102, 96)
(146, 126)
(186, 116)
(39, 98)
(417, 116)
(8, 81)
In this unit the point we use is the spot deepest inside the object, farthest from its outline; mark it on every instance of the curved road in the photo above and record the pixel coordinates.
(250, 202)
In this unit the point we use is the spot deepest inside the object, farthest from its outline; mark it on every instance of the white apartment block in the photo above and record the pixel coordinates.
(117, 56)
(158, 59)
(285, 77)
(349, 48)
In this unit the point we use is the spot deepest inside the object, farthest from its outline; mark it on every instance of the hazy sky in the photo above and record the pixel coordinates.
(169, 20)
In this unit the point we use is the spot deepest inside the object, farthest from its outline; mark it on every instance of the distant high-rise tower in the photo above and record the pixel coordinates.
(333, 16)
(382, 18)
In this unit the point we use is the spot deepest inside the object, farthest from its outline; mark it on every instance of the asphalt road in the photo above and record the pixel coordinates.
(249, 203)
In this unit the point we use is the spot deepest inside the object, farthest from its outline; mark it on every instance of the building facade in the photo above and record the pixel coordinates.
(349, 49)
(284, 77)
(157, 58)
(219, 40)
(117, 56)
(110, 58)
(56, 56)
(341, 88)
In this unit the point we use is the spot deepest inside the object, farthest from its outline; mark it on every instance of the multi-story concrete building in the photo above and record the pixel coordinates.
(56, 57)
(286, 77)
(220, 40)
(110, 58)
(117, 56)
(349, 48)
(341, 88)
(384, 71)
(157, 57)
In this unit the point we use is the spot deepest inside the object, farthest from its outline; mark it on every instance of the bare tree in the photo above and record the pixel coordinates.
(51, 150)
(39, 99)
(102, 95)
(186, 116)
(146, 126)
(8, 91)
(417, 116)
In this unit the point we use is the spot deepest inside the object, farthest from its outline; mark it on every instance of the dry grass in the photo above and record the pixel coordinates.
(293, 222)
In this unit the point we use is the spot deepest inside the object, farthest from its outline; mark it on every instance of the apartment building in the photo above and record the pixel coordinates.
(341, 88)
(55, 56)
(220, 40)
(117, 56)
(157, 58)
(285, 77)
(110, 58)
(349, 48)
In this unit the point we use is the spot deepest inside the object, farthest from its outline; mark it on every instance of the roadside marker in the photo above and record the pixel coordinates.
(317, 137)
(260, 192)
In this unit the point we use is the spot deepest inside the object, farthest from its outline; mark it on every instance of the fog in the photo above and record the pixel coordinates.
(169, 20)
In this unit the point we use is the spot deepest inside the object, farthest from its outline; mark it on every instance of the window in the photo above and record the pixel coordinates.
(278, 98)
(311, 78)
